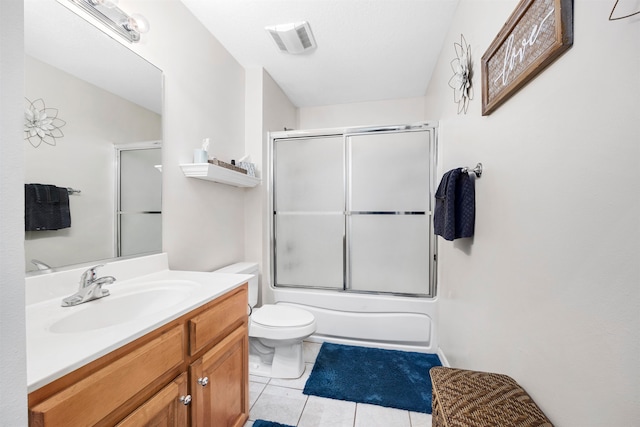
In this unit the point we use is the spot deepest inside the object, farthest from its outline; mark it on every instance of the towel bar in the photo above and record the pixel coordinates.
(477, 170)
(73, 190)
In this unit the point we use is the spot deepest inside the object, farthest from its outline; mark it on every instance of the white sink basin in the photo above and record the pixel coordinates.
(146, 296)
(126, 303)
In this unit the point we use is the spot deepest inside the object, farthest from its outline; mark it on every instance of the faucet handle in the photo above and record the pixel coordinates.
(89, 275)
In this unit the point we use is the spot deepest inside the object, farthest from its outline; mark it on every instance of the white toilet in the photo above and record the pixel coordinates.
(276, 332)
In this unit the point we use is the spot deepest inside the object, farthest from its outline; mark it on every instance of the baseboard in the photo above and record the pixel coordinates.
(443, 358)
(367, 343)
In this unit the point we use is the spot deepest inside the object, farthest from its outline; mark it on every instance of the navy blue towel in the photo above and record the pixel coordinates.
(46, 207)
(455, 210)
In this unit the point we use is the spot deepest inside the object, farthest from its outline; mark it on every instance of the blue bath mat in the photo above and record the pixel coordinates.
(391, 378)
(263, 423)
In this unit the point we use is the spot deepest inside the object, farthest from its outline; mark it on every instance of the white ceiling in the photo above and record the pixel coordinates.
(368, 50)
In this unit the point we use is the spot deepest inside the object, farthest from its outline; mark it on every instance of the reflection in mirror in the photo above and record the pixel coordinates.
(105, 98)
(138, 198)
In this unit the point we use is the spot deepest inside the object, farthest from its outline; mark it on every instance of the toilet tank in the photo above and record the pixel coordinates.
(245, 268)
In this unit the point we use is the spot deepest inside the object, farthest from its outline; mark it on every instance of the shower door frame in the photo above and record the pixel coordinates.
(118, 149)
(429, 127)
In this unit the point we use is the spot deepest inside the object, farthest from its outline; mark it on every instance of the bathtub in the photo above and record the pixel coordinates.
(383, 321)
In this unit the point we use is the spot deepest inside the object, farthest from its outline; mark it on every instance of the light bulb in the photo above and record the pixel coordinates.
(142, 22)
(137, 22)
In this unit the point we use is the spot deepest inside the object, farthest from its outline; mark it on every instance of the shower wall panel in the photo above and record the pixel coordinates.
(389, 172)
(309, 250)
(388, 253)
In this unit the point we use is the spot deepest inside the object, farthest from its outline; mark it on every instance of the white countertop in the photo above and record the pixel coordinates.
(51, 354)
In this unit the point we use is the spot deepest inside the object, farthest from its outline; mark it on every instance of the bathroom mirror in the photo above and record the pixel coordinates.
(107, 101)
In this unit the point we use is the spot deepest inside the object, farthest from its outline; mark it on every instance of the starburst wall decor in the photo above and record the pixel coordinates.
(460, 82)
(41, 124)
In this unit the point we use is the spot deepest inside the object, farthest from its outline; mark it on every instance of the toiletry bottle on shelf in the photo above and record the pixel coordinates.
(200, 155)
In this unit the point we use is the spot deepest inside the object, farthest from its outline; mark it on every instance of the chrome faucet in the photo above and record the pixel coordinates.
(41, 266)
(90, 288)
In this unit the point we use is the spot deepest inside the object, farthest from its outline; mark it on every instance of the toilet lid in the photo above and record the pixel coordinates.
(281, 316)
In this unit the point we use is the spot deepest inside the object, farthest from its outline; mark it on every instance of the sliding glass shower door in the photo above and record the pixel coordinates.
(352, 210)
(388, 212)
(309, 215)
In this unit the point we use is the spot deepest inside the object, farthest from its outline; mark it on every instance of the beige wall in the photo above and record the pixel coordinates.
(389, 112)
(268, 109)
(204, 96)
(254, 144)
(13, 368)
(548, 290)
(278, 113)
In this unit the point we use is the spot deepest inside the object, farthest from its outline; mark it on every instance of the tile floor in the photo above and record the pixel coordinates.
(282, 401)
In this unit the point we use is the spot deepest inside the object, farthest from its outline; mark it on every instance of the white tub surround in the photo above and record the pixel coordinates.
(62, 339)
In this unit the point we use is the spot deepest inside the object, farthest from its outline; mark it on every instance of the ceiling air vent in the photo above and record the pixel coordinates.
(292, 38)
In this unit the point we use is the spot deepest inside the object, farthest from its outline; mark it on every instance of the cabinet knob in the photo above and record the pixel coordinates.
(203, 381)
(185, 399)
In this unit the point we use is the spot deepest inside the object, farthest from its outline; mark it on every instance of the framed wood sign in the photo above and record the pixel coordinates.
(537, 33)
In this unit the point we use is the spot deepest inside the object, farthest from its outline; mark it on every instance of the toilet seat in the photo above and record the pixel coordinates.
(281, 323)
(280, 316)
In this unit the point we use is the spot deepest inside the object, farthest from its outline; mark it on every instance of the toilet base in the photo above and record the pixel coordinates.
(282, 362)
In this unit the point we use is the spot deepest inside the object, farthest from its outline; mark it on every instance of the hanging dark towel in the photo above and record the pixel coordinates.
(455, 210)
(46, 207)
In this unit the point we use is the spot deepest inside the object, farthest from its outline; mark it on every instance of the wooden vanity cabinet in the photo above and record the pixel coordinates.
(158, 379)
(219, 375)
(219, 398)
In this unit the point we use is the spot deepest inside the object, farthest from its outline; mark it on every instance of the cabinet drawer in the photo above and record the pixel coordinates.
(93, 398)
(215, 323)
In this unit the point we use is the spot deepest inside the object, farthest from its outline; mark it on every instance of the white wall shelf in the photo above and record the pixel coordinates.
(210, 172)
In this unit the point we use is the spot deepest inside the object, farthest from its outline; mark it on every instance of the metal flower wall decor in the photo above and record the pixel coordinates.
(41, 124)
(460, 82)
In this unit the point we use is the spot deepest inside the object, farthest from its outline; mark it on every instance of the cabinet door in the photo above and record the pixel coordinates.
(165, 409)
(219, 383)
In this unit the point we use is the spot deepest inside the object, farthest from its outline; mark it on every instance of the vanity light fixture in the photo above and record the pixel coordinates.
(107, 12)
(109, 4)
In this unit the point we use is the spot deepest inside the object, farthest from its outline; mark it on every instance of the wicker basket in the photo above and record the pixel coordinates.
(464, 398)
(227, 166)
